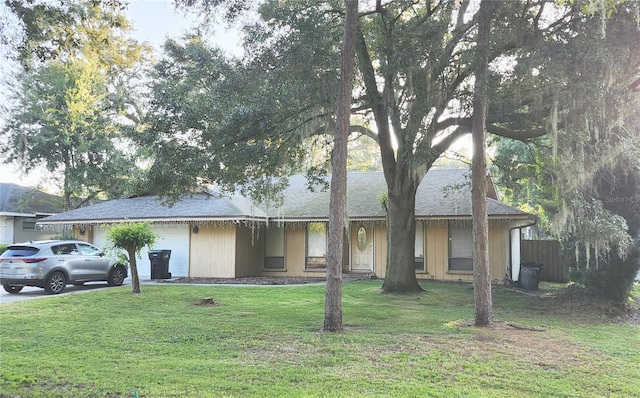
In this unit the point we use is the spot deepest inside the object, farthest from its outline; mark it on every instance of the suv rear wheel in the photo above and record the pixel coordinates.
(116, 276)
(55, 283)
(12, 289)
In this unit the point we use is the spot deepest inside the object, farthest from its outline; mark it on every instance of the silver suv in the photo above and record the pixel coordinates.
(51, 264)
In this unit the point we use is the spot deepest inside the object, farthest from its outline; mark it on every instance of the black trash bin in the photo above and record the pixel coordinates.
(160, 264)
(530, 275)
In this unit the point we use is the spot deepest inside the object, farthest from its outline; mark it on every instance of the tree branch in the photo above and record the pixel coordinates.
(364, 131)
(520, 135)
(377, 105)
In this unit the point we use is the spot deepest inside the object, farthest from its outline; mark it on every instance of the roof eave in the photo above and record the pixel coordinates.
(15, 214)
(184, 220)
(469, 217)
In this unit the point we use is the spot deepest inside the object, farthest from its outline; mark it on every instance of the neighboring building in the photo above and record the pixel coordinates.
(214, 235)
(21, 208)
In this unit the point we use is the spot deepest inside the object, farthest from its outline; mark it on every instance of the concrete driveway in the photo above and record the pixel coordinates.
(29, 293)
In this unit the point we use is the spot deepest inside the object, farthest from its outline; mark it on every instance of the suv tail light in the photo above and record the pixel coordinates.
(28, 260)
(34, 260)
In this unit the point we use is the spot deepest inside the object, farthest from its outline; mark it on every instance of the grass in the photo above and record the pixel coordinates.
(266, 342)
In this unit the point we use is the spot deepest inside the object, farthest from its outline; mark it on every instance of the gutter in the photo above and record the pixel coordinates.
(185, 220)
(10, 214)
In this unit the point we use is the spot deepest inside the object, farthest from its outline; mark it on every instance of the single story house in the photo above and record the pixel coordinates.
(227, 236)
(21, 208)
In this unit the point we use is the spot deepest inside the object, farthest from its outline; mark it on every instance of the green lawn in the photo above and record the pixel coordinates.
(266, 342)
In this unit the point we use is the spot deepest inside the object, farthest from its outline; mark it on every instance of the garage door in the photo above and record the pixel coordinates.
(171, 237)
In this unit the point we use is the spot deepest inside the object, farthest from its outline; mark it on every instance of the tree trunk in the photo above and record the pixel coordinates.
(338, 198)
(481, 272)
(401, 188)
(135, 280)
(401, 234)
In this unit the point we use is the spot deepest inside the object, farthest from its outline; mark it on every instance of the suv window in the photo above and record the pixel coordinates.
(88, 250)
(67, 248)
(20, 251)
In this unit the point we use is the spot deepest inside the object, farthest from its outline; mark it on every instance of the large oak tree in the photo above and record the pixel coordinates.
(241, 120)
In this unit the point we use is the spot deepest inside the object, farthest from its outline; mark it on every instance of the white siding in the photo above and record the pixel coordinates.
(171, 237)
(515, 254)
(6, 230)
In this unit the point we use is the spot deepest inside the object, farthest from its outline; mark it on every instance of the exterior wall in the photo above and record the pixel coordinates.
(213, 252)
(437, 253)
(249, 251)
(6, 230)
(498, 251)
(436, 248)
(295, 254)
(380, 251)
(85, 234)
(24, 234)
(346, 252)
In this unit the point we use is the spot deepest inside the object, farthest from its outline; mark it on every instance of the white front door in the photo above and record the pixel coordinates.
(362, 248)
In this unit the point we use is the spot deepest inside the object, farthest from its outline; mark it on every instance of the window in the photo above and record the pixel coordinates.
(274, 248)
(316, 245)
(361, 241)
(419, 255)
(64, 249)
(460, 247)
(29, 224)
(89, 250)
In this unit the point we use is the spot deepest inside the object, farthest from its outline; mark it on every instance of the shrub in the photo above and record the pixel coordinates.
(131, 237)
(615, 276)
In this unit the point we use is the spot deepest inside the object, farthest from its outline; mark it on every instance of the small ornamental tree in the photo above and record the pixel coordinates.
(131, 237)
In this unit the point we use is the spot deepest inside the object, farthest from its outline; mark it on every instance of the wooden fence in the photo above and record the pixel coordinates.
(546, 252)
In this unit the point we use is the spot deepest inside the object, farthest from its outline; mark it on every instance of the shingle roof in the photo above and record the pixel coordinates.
(447, 193)
(442, 193)
(17, 200)
(199, 206)
(363, 192)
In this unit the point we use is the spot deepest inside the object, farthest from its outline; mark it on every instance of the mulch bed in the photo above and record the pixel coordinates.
(262, 280)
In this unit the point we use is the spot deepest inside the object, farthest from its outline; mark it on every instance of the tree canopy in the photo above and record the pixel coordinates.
(74, 102)
(413, 93)
(583, 176)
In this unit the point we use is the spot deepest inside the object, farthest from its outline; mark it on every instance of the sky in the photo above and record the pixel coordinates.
(153, 21)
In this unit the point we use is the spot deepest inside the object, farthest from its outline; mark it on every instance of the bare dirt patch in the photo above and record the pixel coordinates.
(527, 346)
(577, 302)
(533, 345)
(208, 302)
